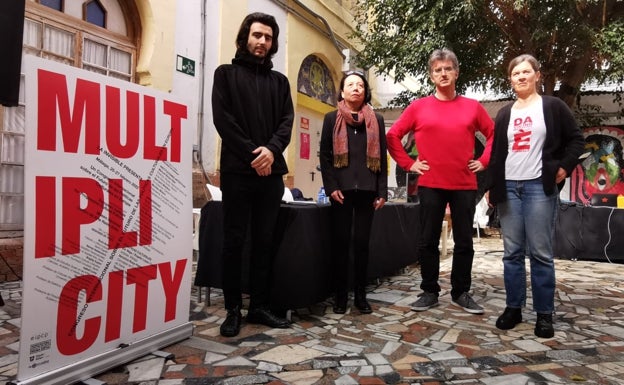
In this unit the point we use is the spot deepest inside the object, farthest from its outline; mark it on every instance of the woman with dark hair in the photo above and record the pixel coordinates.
(537, 144)
(354, 169)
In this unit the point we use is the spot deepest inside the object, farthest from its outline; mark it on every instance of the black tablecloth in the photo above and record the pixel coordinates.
(589, 233)
(302, 266)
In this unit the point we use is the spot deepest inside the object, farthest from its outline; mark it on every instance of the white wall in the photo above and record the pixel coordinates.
(187, 44)
(219, 29)
(197, 19)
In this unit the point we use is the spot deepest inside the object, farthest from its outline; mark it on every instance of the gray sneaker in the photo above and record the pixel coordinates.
(466, 302)
(426, 301)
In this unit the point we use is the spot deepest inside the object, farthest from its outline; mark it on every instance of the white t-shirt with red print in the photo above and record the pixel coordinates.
(526, 135)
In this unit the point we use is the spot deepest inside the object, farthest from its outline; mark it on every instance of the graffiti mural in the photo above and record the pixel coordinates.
(602, 171)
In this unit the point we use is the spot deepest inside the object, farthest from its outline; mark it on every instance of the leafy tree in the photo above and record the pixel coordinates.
(577, 42)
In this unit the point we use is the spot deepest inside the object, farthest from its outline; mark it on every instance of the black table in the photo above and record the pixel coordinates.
(302, 265)
(589, 233)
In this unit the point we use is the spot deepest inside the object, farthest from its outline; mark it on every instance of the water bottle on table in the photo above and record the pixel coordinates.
(322, 198)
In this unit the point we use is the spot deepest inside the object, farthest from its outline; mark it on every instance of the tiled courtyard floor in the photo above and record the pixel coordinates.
(394, 345)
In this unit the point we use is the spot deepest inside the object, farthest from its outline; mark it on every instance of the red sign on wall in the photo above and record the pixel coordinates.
(305, 123)
(304, 146)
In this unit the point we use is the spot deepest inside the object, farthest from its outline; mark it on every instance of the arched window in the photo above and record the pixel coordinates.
(54, 4)
(92, 27)
(95, 13)
(315, 80)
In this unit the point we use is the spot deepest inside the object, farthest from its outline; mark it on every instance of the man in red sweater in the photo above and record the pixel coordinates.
(444, 126)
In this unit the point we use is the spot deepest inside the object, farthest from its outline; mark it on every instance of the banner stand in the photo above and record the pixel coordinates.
(83, 370)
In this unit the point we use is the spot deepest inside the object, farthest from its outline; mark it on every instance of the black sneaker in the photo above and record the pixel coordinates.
(466, 302)
(232, 324)
(426, 301)
(509, 319)
(544, 326)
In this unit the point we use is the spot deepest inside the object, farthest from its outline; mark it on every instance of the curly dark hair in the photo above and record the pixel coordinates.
(243, 31)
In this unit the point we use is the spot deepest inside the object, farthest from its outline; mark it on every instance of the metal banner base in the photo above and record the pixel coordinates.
(83, 370)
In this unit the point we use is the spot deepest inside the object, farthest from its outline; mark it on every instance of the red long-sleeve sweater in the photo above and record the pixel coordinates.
(444, 132)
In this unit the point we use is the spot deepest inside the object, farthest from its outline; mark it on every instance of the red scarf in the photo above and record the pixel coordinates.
(344, 117)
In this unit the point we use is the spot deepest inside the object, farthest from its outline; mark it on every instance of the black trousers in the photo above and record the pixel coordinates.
(432, 209)
(351, 225)
(250, 203)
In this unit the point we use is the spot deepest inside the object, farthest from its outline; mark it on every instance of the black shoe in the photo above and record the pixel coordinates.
(363, 306)
(232, 324)
(544, 326)
(340, 305)
(509, 319)
(360, 302)
(340, 302)
(265, 317)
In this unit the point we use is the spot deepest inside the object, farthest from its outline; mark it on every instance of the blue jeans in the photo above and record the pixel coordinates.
(527, 221)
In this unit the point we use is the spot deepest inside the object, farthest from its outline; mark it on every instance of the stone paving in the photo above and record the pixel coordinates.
(393, 345)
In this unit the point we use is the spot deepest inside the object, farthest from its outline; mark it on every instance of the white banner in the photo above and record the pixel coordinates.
(108, 218)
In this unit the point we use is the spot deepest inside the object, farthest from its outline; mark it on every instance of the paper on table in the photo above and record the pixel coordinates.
(215, 192)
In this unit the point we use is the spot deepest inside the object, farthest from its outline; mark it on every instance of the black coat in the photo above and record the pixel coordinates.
(356, 176)
(562, 148)
(251, 107)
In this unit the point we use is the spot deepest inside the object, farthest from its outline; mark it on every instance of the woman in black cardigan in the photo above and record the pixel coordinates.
(354, 169)
(537, 144)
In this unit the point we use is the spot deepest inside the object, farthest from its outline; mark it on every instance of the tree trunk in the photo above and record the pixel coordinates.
(573, 77)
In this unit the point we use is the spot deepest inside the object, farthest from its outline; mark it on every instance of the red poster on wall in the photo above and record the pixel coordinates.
(304, 146)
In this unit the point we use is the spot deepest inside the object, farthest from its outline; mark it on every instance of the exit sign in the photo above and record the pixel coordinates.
(185, 65)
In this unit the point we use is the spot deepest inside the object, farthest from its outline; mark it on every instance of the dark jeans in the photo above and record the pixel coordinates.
(249, 202)
(353, 217)
(432, 209)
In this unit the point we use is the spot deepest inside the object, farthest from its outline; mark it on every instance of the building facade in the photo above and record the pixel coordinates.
(175, 46)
